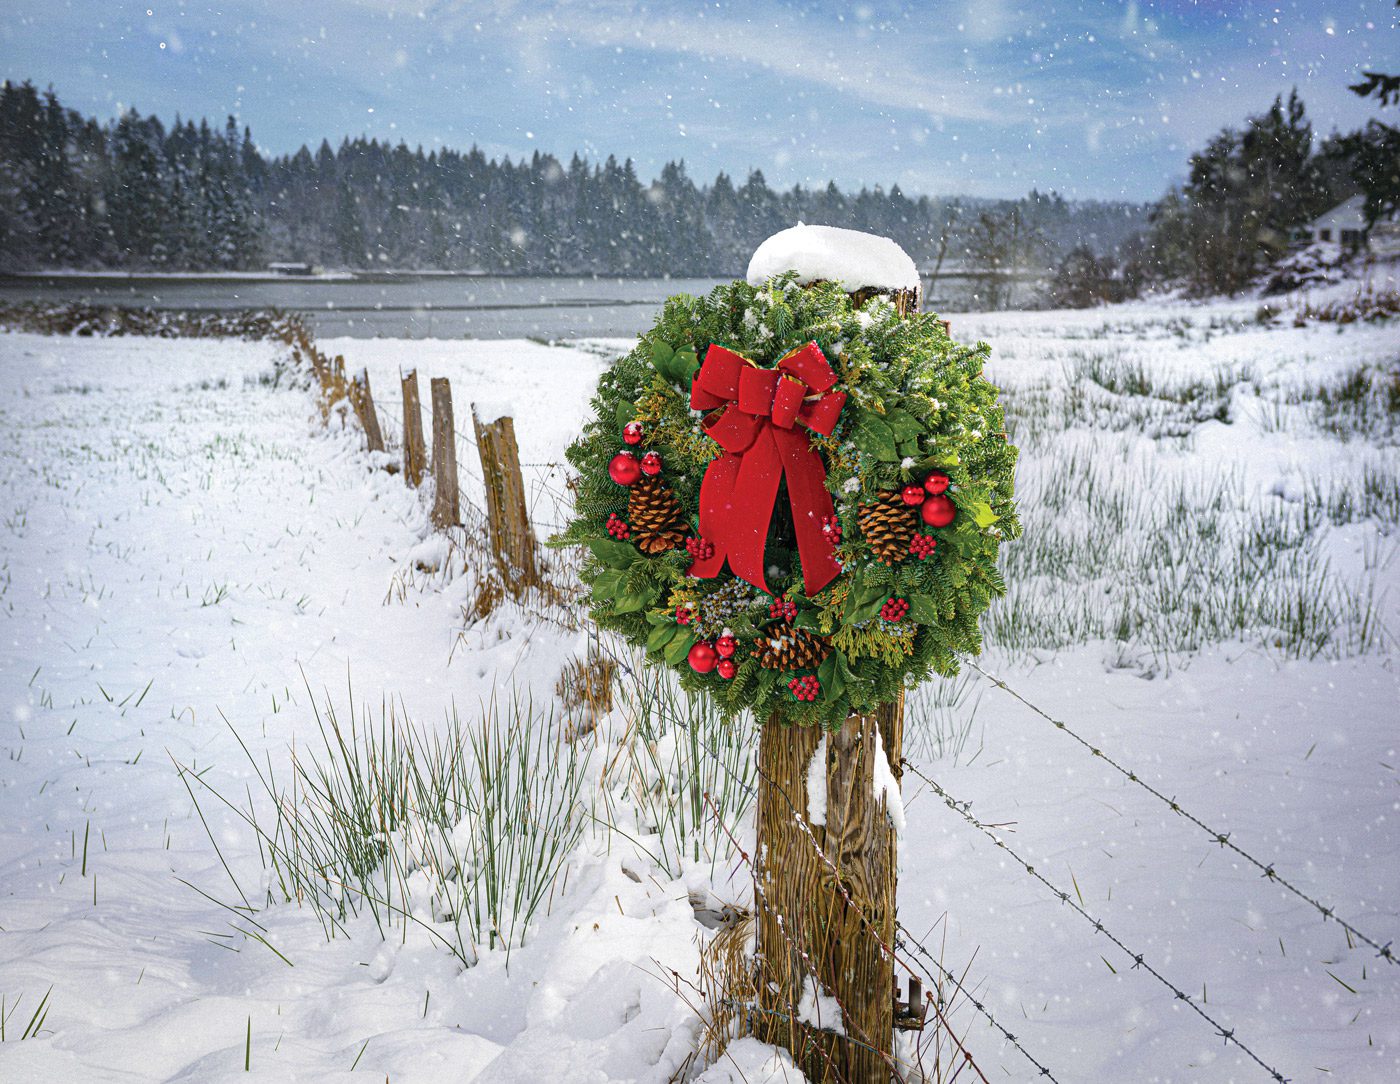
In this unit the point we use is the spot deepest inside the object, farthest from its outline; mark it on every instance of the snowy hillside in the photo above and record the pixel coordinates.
(193, 572)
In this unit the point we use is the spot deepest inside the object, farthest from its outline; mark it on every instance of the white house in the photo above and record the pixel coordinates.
(1344, 224)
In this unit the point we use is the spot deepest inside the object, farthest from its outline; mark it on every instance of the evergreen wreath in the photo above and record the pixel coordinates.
(712, 547)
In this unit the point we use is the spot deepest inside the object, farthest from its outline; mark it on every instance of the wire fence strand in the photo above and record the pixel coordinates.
(963, 809)
(1383, 949)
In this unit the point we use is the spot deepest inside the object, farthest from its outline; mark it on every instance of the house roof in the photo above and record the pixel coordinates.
(1349, 214)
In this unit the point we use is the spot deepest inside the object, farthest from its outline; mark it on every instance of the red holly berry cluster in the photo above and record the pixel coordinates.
(935, 508)
(784, 609)
(699, 548)
(894, 610)
(683, 615)
(831, 529)
(805, 688)
(922, 546)
(618, 528)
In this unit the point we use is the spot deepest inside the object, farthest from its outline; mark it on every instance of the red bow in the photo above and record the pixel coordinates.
(761, 443)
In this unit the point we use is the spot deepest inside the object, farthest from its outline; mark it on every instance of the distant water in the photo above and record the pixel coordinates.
(401, 306)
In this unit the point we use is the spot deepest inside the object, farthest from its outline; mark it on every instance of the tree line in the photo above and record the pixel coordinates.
(136, 194)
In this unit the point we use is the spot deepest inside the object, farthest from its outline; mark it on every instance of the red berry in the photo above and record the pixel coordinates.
(618, 528)
(726, 646)
(938, 511)
(784, 609)
(912, 494)
(922, 546)
(682, 615)
(651, 463)
(894, 610)
(831, 528)
(702, 658)
(937, 483)
(700, 549)
(632, 432)
(726, 668)
(624, 469)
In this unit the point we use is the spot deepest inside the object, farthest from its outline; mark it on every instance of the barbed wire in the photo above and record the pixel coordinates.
(910, 940)
(1383, 950)
(963, 809)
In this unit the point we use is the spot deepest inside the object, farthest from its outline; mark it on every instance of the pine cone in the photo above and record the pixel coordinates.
(655, 516)
(889, 526)
(791, 647)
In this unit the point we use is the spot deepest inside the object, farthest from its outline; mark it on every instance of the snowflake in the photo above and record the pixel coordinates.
(851, 485)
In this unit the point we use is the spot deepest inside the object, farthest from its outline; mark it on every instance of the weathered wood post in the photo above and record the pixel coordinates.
(507, 515)
(826, 878)
(415, 454)
(447, 510)
(363, 402)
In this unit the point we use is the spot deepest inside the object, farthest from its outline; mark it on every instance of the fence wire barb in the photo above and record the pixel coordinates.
(909, 940)
(963, 809)
(1266, 869)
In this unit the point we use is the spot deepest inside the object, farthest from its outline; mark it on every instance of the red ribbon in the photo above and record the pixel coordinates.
(759, 432)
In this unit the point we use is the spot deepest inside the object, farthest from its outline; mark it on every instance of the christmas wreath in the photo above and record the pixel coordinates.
(794, 500)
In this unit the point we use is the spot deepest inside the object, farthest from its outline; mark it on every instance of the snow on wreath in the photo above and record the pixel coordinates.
(792, 496)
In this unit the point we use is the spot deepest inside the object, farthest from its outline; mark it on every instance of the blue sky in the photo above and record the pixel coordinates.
(984, 97)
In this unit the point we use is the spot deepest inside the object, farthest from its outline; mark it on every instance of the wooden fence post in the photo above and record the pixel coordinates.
(363, 402)
(447, 511)
(819, 927)
(507, 516)
(415, 455)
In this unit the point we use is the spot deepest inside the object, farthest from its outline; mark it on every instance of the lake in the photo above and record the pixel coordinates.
(413, 305)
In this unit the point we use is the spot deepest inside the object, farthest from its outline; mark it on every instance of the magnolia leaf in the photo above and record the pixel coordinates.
(607, 585)
(981, 513)
(629, 602)
(613, 554)
(923, 609)
(661, 636)
(679, 647)
(874, 438)
(906, 427)
(626, 412)
(661, 355)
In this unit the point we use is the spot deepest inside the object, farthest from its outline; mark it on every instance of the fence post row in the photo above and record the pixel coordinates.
(447, 510)
(363, 402)
(415, 455)
(508, 517)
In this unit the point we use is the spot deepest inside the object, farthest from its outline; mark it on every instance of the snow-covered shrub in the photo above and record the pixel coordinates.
(1319, 264)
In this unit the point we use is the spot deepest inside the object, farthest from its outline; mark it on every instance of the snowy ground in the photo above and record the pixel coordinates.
(182, 543)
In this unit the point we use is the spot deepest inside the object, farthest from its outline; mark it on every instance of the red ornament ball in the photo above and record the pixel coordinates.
(938, 511)
(937, 483)
(651, 463)
(726, 646)
(624, 469)
(632, 432)
(702, 658)
(726, 669)
(912, 495)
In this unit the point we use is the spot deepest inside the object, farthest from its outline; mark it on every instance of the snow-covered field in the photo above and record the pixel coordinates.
(1207, 592)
